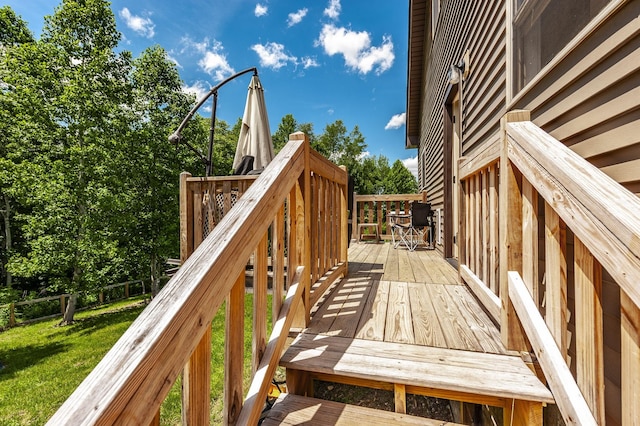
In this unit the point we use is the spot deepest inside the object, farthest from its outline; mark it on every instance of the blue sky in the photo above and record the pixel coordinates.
(320, 60)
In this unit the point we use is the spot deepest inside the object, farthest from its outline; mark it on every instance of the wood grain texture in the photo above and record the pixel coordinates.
(422, 366)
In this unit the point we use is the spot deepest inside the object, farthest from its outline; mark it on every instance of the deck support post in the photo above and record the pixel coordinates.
(400, 398)
(299, 382)
(518, 412)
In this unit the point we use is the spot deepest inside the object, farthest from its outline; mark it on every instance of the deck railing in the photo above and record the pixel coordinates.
(172, 335)
(373, 209)
(562, 223)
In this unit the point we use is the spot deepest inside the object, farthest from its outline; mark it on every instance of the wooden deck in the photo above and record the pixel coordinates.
(394, 295)
(401, 321)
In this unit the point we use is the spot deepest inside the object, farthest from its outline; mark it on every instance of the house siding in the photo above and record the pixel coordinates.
(587, 98)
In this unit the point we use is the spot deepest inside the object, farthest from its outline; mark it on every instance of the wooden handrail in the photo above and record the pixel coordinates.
(596, 208)
(132, 380)
(547, 194)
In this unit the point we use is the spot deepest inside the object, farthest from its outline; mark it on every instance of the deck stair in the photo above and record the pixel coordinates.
(474, 377)
(299, 410)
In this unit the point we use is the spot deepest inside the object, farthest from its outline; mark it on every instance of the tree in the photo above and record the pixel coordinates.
(289, 125)
(150, 166)
(400, 180)
(13, 32)
(84, 86)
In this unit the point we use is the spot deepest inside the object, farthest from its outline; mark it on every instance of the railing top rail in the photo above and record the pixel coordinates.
(135, 376)
(390, 197)
(598, 210)
(233, 178)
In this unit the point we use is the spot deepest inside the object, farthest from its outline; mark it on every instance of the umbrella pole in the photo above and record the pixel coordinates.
(212, 130)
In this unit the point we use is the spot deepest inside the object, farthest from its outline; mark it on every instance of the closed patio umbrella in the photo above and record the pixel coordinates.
(255, 134)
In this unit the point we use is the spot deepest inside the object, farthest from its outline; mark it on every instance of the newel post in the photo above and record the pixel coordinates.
(513, 337)
(300, 238)
(344, 220)
(196, 373)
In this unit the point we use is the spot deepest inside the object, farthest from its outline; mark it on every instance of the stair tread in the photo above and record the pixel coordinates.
(296, 410)
(505, 376)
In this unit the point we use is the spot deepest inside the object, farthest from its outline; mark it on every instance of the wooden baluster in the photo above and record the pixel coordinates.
(477, 231)
(234, 352)
(630, 363)
(494, 226)
(484, 257)
(277, 259)
(530, 239)
(197, 217)
(589, 331)
(556, 277)
(471, 236)
(260, 269)
(315, 218)
(196, 384)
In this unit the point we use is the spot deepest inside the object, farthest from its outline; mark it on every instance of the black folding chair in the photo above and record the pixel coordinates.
(420, 230)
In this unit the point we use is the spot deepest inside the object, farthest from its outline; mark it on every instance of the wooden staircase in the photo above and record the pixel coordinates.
(483, 378)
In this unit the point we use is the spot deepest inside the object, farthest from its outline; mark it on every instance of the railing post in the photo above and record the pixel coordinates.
(513, 336)
(186, 218)
(300, 235)
(344, 221)
(196, 382)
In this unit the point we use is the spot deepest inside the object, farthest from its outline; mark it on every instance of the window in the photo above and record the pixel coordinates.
(541, 28)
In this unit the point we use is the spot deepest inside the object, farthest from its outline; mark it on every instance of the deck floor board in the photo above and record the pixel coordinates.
(394, 295)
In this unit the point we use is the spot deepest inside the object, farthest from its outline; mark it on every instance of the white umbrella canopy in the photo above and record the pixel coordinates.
(255, 134)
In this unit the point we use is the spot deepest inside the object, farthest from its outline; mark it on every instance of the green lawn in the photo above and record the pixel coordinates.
(44, 363)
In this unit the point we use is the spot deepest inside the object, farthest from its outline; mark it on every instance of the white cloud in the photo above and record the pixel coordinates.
(143, 26)
(296, 18)
(214, 62)
(272, 55)
(412, 165)
(260, 10)
(356, 49)
(333, 10)
(309, 62)
(192, 45)
(396, 121)
(198, 89)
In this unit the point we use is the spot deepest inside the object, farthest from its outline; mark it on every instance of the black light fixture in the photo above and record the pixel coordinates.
(459, 72)
(176, 137)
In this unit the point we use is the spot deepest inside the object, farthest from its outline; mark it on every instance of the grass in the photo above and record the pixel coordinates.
(44, 363)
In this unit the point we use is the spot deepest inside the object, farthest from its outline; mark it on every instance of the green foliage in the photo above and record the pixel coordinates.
(13, 30)
(400, 180)
(44, 364)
